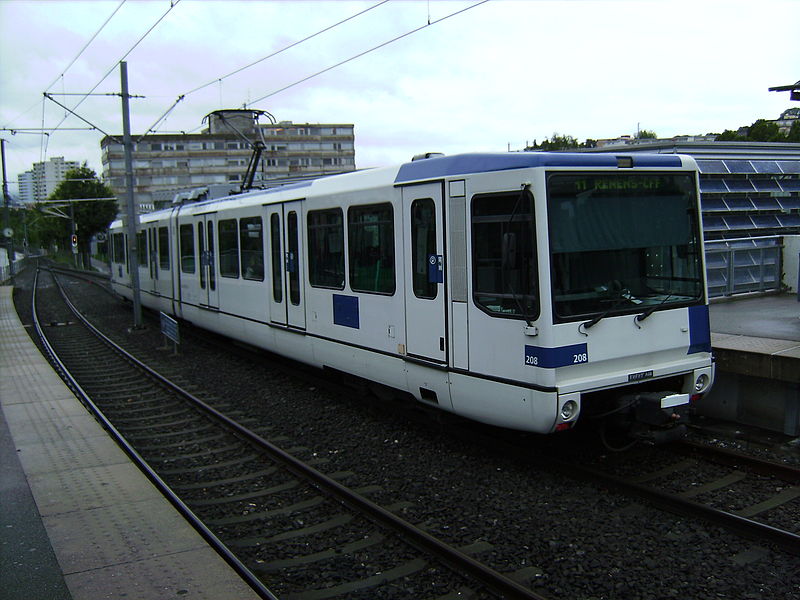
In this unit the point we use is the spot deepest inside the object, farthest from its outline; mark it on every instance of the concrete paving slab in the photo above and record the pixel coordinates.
(124, 533)
(63, 455)
(88, 488)
(192, 575)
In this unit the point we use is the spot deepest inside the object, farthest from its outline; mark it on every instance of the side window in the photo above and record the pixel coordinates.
(212, 272)
(228, 248)
(251, 238)
(504, 278)
(371, 248)
(119, 248)
(277, 262)
(326, 248)
(163, 248)
(423, 248)
(201, 247)
(293, 235)
(187, 248)
(141, 248)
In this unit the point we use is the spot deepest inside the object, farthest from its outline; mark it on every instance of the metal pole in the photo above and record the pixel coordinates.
(72, 232)
(7, 214)
(131, 207)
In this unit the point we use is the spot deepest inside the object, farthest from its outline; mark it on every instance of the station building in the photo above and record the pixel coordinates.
(219, 156)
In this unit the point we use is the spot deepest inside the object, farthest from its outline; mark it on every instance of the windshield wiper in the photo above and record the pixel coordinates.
(642, 316)
(623, 295)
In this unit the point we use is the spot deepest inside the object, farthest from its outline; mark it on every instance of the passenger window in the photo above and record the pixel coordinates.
(212, 272)
(371, 248)
(141, 248)
(423, 248)
(326, 248)
(201, 247)
(504, 277)
(228, 248)
(251, 239)
(277, 263)
(294, 252)
(119, 248)
(187, 249)
(163, 248)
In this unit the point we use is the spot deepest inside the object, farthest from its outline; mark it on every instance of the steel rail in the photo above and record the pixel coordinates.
(731, 458)
(254, 582)
(785, 540)
(422, 540)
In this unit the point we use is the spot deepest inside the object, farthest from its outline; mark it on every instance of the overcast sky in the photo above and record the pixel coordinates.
(497, 75)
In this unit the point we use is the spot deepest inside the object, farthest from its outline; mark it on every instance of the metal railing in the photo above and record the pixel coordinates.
(744, 265)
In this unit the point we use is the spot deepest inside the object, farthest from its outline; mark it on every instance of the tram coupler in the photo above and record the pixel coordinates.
(658, 417)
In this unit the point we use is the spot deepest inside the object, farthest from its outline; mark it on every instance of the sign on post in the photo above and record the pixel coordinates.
(169, 328)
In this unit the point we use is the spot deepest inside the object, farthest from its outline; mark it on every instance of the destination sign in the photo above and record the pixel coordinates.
(586, 184)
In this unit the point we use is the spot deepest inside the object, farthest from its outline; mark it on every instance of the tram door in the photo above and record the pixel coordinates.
(209, 295)
(287, 305)
(426, 324)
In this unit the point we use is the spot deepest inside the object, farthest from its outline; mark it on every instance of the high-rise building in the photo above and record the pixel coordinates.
(167, 163)
(41, 181)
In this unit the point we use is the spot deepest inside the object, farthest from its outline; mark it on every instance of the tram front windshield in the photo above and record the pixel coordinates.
(623, 243)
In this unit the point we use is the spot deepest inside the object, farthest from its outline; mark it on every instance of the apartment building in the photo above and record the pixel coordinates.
(219, 155)
(41, 181)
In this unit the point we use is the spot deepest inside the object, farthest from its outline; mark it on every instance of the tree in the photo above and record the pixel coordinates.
(556, 142)
(765, 131)
(646, 134)
(91, 217)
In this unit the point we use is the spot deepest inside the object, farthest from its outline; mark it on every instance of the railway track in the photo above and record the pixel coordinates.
(290, 529)
(747, 495)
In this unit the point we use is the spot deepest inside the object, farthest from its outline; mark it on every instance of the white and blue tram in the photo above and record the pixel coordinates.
(525, 290)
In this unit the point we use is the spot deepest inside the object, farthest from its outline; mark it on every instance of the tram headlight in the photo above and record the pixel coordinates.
(701, 382)
(569, 409)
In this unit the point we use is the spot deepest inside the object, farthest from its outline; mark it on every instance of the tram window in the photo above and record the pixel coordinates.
(277, 264)
(326, 248)
(371, 248)
(141, 248)
(228, 248)
(423, 247)
(504, 278)
(187, 249)
(119, 248)
(212, 273)
(201, 248)
(163, 248)
(294, 252)
(251, 239)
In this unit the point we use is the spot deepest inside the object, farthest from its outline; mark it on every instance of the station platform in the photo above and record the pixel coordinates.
(756, 345)
(79, 521)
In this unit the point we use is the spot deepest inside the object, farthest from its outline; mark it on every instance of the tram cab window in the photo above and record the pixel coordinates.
(163, 248)
(119, 248)
(141, 248)
(326, 248)
(227, 231)
(251, 238)
(371, 248)
(187, 249)
(504, 276)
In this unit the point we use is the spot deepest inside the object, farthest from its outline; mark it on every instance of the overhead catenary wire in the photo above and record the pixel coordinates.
(85, 46)
(172, 5)
(360, 54)
(89, 123)
(219, 80)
